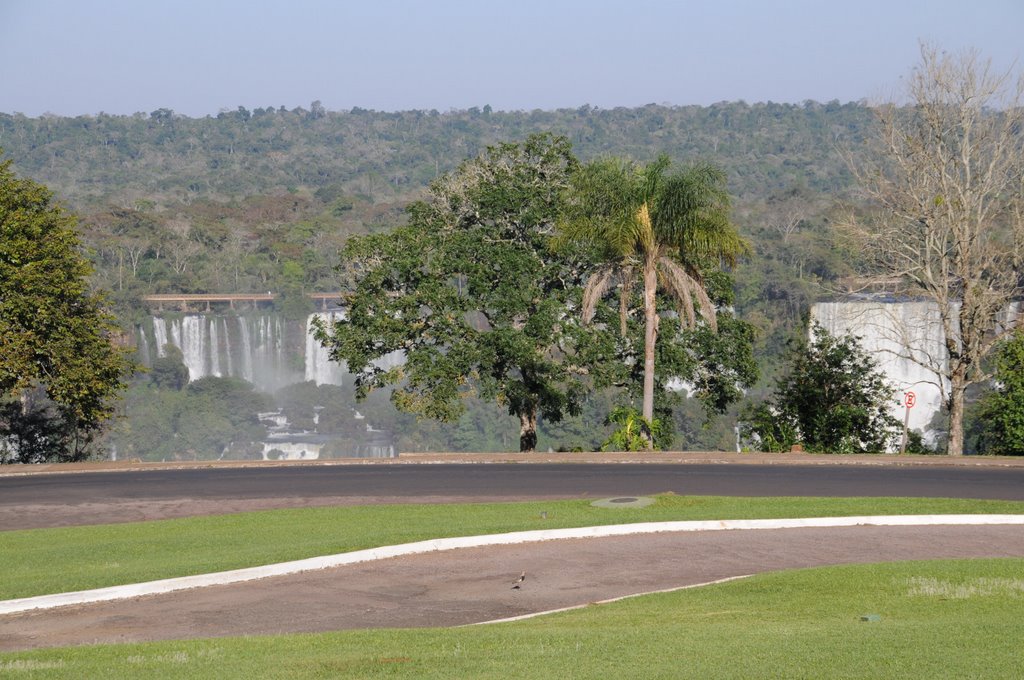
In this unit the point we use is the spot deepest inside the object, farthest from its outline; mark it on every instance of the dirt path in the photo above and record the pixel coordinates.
(472, 585)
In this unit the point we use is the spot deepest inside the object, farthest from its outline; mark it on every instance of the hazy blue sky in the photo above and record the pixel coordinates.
(197, 57)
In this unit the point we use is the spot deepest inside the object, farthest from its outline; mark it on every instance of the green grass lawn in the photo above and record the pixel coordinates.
(42, 561)
(938, 619)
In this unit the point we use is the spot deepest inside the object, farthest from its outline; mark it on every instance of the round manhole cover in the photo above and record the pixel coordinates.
(623, 502)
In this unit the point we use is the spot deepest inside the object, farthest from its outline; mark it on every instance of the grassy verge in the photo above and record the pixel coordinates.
(936, 619)
(42, 561)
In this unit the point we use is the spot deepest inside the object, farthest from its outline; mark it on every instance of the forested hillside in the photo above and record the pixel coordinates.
(168, 159)
(262, 200)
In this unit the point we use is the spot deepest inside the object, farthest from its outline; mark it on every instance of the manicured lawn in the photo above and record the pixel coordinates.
(42, 561)
(935, 619)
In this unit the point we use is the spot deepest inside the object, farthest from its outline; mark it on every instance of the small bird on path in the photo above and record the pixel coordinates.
(519, 581)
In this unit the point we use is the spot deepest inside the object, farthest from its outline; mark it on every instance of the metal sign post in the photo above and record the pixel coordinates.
(909, 399)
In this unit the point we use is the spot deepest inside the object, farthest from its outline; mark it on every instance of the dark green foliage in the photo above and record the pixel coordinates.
(470, 293)
(209, 417)
(222, 193)
(169, 371)
(796, 251)
(764, 146)
(831, 399)
(325, 409)
(54, 332)
(34, 429)
(1001, 411)
(263, 199)
(232, 202)
(773, 429)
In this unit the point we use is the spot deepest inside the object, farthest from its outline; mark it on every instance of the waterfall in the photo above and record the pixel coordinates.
(214, 348)
(265, 349)
(255, 348)
(907, 342)
(228, 354)
(193, 340)
(1010, 316)
(291, 450)
(246, 357)
(319, 367)
(271, 352)
(160, 333)
(143, 348)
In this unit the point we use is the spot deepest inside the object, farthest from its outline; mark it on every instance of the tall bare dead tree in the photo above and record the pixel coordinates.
(945, 174)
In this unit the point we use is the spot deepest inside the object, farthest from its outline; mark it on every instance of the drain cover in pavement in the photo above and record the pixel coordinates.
(623, 502)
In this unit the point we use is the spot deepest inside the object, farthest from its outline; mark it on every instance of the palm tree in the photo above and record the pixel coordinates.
(649, 224)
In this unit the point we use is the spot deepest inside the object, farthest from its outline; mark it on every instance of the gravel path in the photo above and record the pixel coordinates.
(474, 585)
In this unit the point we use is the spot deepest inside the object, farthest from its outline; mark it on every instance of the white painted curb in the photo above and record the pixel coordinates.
(533, 615)
(284, 568)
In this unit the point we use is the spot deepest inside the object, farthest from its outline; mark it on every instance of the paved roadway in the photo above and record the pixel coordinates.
(502, 481)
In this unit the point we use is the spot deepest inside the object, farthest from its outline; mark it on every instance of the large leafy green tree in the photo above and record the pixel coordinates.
(54, 332)
(469, 292)
(832, 399)
(655, 228)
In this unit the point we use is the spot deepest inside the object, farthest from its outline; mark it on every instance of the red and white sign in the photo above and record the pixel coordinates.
(909, 399)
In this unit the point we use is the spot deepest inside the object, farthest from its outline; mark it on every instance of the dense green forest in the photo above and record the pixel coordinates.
(260, 200)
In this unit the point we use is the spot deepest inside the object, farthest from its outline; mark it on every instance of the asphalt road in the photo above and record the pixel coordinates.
(504, 481)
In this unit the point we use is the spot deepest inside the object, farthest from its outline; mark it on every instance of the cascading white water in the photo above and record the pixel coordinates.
(267, 351)
(143, 344)
(228, 354)
(1011, 316)
(253, 347)
(907, 342)
(214, 353)
(390, 360)
(319, 367)
(160, 333)
(194, 343)
(291, 450)
(271, 353)
(250, 347)
(246, 354)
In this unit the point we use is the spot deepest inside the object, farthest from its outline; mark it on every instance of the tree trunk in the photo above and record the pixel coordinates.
(957, 389)
(528, 431)
(650, 337)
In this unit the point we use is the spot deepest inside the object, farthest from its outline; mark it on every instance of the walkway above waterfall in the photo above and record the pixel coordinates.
(183, 301)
